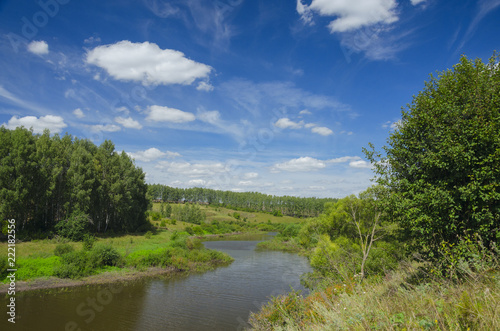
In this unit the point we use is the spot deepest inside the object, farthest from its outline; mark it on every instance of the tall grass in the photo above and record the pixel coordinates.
(393, 302)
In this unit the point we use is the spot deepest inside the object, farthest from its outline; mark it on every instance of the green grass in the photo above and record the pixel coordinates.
(390, 303)
(281, 244)
(221, 214)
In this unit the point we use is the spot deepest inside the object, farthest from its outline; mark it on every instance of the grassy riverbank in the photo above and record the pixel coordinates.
(175, 247)
(138, 254)
(392, 302)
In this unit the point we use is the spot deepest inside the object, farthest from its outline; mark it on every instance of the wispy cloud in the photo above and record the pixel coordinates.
(484, 7)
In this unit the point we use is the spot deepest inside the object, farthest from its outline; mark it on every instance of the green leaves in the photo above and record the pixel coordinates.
(44, 180)
(443, 162)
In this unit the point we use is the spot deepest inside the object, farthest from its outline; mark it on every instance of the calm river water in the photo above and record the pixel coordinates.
(216, 300)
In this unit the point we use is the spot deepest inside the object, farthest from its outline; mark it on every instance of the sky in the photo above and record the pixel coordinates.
(270, 96)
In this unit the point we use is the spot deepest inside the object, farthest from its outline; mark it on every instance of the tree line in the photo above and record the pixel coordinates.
(46, 180)
(248, 201)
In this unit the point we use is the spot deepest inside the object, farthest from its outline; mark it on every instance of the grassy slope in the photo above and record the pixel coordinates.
(36, 259)
(389, 303)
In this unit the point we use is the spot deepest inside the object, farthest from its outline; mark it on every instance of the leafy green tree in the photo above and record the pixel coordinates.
(442, 162)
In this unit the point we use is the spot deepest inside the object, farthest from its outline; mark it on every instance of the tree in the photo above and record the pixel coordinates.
(442, 163)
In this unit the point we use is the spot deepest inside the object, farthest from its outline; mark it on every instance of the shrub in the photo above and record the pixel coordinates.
(73, 228)
(88, 242)
(148, 235)
(198, 230)
(62, 249)
(104, 255)
(189, 230)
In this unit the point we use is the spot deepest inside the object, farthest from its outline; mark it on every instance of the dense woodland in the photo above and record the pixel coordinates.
(248, 201)
(45, 180)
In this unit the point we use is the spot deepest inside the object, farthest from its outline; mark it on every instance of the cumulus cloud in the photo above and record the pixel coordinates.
(128, 122)
(54, 123)
(211, 117)
(351, 15)
(344, 159)
(204, 86)
(186, 169)
(302, 164)
(360, 164)
(285, 123)
(104, 128)
(78, 113)
(321, 130)
(151, 154)
(305, 112)
(166, 114)
(38, 47)
(147, 63)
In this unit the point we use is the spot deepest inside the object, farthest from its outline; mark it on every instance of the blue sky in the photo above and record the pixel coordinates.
(278, 97)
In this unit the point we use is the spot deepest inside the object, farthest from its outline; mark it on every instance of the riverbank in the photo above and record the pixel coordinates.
(393, 302)
(130, 273)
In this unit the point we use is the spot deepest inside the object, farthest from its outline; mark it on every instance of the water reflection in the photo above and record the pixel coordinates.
(217, 300)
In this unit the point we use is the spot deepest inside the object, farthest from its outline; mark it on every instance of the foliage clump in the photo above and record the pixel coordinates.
(441, 164)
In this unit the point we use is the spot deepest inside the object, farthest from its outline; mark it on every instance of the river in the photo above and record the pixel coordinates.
(221, 299)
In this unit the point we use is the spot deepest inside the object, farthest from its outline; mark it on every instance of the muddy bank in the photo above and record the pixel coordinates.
(104, 278)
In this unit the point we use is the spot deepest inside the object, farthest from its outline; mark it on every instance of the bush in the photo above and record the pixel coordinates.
(88, 242)
(189, 230)
(148, 235)
(62, 249)
(198, 230)
(73, 228)
(104, 255)
(291, 230)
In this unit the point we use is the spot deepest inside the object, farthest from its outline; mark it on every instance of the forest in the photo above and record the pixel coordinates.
(51, 182)
(247, 201)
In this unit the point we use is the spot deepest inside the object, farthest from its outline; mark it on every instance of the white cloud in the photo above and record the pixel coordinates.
(304, 12)
(166, 114)
(302, 164)
(344, 159)
(246, 183)
(54, 123)
(351, 15)
(152, 154)
(305, 112)
(285, 123)
(211, 117)
(123, 109)
(392, 125)
(321, 130)
(360, 164)
(204, 86)
(38, 47)
(128, 122)
(92, 40)
(186, 169)
(147, 63)
(104, 128)
(197, 182)
(250, 175)
(309, 125)
(416, 2)
(78, 113)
